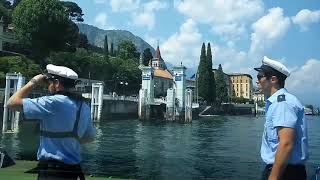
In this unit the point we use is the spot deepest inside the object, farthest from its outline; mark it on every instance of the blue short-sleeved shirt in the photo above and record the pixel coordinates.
(284, 111)
(57, 113)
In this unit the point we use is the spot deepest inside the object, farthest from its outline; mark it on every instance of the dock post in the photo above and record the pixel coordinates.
(180, 88)
(188, 107)
(170, 109)
(5, 107)
(147, 96)
(18, 81)
(96, 101)
(143, 109)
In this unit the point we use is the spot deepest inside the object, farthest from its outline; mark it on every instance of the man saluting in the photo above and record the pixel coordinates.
(64, 119)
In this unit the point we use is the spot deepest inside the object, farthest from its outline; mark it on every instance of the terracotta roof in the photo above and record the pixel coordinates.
(162, 74)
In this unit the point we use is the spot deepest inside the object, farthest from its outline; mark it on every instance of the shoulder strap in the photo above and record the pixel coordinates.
(66, 134)
(76, 124)
(281, 98)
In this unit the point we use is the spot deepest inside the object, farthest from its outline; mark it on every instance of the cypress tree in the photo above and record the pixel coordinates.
(203, 79)
(111, 50)
(106, 49)
(221, 87)
(147, 56)
(211, 82)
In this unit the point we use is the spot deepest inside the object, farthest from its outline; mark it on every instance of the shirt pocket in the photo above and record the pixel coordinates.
(271, 132)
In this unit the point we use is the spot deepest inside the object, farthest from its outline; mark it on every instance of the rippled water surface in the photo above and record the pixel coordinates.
(212, 148)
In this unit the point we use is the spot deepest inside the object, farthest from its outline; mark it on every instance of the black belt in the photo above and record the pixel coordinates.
(269, 166)
(59, 169)
(291, 172)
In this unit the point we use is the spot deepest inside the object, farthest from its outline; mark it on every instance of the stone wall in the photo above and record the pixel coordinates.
(117, 109)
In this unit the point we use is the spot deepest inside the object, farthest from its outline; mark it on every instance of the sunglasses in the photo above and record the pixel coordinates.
(259, 76)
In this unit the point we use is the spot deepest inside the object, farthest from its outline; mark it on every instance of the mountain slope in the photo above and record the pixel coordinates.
(96, 37)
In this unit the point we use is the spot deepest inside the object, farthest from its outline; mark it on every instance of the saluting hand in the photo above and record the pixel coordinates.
(39, 79)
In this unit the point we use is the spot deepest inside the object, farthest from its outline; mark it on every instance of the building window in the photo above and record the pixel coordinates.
(241, 81)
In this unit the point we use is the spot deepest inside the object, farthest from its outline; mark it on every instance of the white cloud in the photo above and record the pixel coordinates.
(123, 5)
(305, 18)
(183, 46)
(232, 61)
(154, 5)
(267, 30)
(151, 40)
(144, 20)
(101, 21)
(227, 17)
(147, 17)
(101, 1)
(176, 3)
(304, 82)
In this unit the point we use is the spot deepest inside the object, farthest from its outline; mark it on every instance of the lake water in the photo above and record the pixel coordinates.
(211, 148)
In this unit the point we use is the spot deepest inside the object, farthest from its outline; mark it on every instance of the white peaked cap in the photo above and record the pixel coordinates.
(62, 71)
(276, 65)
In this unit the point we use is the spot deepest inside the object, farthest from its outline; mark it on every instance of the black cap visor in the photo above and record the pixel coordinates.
(269, 71)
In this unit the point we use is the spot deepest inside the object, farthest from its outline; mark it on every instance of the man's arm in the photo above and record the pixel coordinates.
(16, 100)
(286, 144)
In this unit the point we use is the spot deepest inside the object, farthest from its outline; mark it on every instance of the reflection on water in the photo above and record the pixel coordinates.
(216, 148)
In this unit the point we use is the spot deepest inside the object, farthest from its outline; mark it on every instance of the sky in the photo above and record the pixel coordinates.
(240, 33)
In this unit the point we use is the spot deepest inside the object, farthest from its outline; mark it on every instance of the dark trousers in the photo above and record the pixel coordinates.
(292, 172)
(55, 170)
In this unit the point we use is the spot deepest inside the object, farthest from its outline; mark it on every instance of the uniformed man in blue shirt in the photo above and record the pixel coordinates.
(64, 119)
(284, 146)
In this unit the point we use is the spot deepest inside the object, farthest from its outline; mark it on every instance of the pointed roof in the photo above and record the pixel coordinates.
(158, 54)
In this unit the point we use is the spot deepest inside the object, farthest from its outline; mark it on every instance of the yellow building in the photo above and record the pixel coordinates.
(241, 85)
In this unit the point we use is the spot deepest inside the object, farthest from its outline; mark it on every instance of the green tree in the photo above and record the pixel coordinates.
(221, 87)
(111, 49)
(15, 3)
(73, 10)
(44, 26)
(261, 103)
(146, 56)
(18, 64)
(204, 75)
(84, 62)
(125, 70)
(83, 41)
(211, 82)
(5, 12)
(128, 50)
(106, 48)
(5, 4)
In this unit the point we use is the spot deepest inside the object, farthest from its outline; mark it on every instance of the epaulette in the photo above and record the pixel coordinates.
(281, 98)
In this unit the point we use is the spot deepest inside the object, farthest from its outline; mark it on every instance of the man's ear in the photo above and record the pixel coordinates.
(56, 83)
(274, 79)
